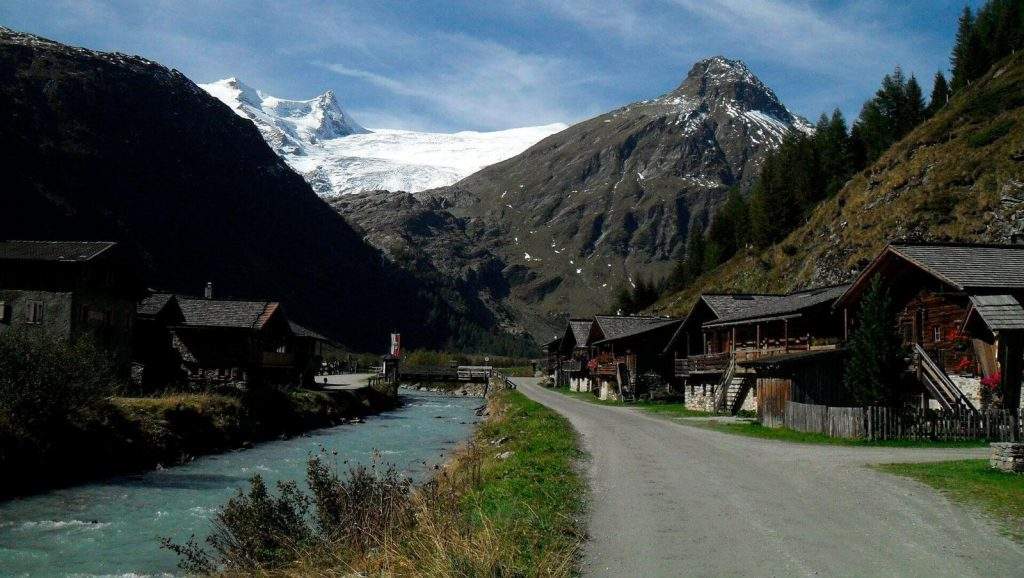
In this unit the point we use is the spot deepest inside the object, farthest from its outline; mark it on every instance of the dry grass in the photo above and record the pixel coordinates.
(483, 515)
(506, 505)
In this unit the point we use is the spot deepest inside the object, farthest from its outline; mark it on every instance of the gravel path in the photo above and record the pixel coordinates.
(676, 500)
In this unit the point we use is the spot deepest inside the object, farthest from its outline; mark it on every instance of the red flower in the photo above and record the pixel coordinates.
(992, 381)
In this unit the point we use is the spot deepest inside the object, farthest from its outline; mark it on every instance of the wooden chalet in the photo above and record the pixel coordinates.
(575, 348)
(307, 347)
(154, 360)
(734, 329)
(627, 357)
(958, 310)
(552, 356)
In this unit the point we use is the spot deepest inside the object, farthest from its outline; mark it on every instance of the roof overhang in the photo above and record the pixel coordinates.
(751, 321)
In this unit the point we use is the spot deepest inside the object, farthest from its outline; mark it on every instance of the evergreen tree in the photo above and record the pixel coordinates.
(940, 94)
(913, 109)
(623, 303)
(695, 252)
(876, 350)
(958, 62)
(833, 143)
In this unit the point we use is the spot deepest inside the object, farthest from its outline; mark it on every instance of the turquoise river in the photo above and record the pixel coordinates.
(113, 527)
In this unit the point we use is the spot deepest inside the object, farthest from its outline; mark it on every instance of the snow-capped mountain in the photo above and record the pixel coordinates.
(337, 156)
(613, 199)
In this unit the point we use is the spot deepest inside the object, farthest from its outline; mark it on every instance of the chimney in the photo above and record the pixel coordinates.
(208, 290)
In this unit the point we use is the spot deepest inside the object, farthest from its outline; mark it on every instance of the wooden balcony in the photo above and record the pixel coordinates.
(702, 364)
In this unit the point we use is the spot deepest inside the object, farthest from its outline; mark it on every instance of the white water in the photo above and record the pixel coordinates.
(113, 528)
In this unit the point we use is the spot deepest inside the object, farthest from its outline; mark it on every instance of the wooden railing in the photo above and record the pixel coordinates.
(938, 383)
(713, 363)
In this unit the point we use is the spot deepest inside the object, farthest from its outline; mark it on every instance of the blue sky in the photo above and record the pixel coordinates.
(458, 65)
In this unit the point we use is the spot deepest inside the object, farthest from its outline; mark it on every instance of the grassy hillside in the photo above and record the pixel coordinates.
(957, 177)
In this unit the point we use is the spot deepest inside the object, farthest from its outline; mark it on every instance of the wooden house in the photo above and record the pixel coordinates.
(738, 328)
(552, 356)
(70, 289)
(155, 362)
(228, 342)
(308, 351)
(627, 356)
(575, 349)
(958, 310)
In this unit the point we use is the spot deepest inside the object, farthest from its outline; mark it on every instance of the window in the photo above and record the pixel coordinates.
(3, 312)
(35, 312)
(937, 334)
(281, 348)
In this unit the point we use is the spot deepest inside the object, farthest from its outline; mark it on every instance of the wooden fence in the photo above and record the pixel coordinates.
(885, 423)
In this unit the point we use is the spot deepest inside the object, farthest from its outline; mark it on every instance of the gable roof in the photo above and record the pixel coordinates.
(963, 266)
(53, 251)
(998, 312)
(782, 306)
(622, 327)
(300, 331)
(580, 329)
(221, 313)
(730, 304)
(154, 304)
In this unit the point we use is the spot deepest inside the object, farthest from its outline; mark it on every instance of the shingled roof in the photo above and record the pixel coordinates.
(964, 266)
(728, 305)
(999, 312)
(55, 251)
(221, 313)
(154, 304)
(615, 327)
(580, 329)
(300, 331)
(782, 305)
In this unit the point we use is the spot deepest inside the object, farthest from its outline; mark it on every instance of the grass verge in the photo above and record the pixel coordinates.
(670, 409)
(974, 483)
(508, 504)
(756, 430)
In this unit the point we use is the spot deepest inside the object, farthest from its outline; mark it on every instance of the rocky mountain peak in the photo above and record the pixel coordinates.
(727, 85)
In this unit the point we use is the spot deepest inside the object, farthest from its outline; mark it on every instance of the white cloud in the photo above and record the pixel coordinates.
(482, 83)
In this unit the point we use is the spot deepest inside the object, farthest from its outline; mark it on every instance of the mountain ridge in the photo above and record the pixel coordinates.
(117, 147)
(957, 177)
(338, 156)
(612, 199)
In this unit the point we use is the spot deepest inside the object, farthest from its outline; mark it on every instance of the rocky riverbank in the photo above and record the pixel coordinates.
(459, 389)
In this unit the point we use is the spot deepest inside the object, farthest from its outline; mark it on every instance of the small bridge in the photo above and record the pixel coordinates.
(466, 373)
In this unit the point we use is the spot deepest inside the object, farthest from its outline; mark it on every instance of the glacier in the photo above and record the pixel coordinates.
(338, 156)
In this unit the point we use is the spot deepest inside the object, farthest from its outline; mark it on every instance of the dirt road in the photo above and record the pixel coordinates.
(676, 500)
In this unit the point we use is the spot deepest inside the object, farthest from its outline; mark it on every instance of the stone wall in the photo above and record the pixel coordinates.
(1007, 457)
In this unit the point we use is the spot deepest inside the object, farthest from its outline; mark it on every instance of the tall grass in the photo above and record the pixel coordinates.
(506, 505)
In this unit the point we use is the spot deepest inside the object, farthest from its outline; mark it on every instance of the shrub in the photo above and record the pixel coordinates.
(48, 384)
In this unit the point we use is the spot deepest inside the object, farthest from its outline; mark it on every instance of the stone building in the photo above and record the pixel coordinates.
(206, 341)
(70, 289)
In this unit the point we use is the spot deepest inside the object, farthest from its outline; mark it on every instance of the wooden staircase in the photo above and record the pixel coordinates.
(938, 383)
